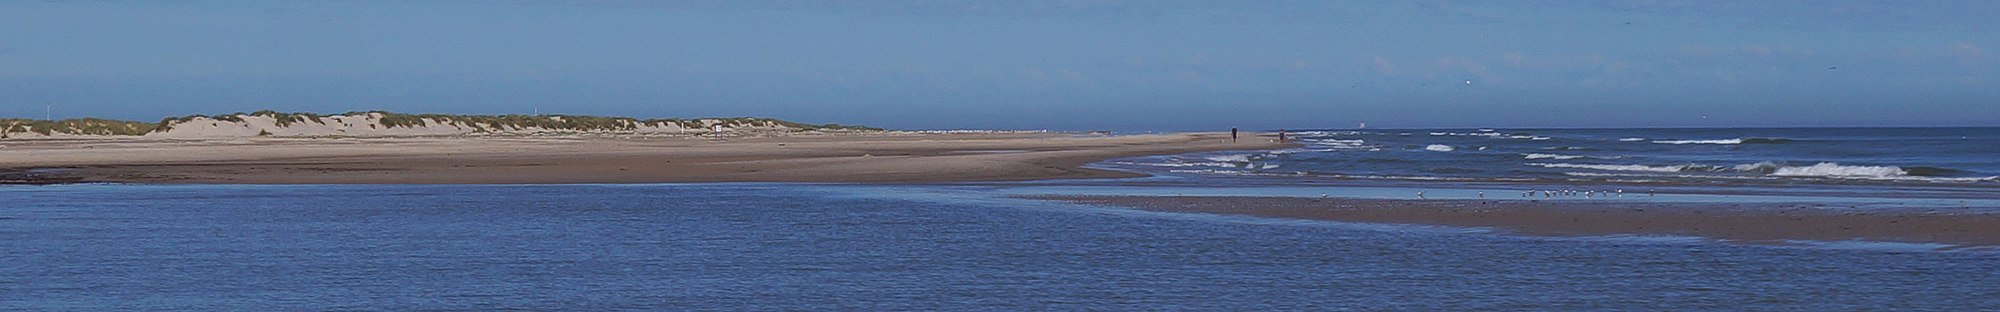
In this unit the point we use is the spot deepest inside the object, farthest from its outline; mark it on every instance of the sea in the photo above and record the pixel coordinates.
(978, 246)
(1853, 162)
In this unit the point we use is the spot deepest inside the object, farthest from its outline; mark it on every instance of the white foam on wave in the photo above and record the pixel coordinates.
(1306, 134)
(1551, 156)
(1631, 139)
(1237, 172)
(1244, 161)
(1355, 144)
(1827, 169)
(1479, 134)
(1836, 170)
(1729, 141)
(1681, 176)
(1612, 167)
(1773, 170)
(1439, 148)
(1188, 164)
(1564, 157)
(1236, 158)
(1290, 151)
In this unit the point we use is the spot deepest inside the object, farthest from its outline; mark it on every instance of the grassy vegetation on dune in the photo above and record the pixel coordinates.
(506, 122)
(79, 126)
(287, 119)
(587, 123)
(480, 123)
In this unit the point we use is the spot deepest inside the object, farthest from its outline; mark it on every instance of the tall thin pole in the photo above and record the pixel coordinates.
(49, 112)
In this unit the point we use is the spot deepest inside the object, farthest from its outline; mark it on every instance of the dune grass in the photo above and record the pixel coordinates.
(78, 126)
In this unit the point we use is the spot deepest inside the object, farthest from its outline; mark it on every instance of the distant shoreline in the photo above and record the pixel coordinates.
(870, 157)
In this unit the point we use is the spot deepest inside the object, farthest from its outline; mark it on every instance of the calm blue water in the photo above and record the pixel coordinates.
(829, 247)
(1953, 159)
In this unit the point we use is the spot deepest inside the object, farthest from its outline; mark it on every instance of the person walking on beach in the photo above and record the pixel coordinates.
(1232, 134)
(1281, 135)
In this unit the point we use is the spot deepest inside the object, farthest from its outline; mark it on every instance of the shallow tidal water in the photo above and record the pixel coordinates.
(839, 247)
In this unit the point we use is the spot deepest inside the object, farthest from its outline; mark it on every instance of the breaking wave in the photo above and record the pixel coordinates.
(1552, 156)
(1728, 141)
(1236, 158)
(1564, 157)
(1827, 169)
(1354, 144)
(1818, 170)
(1439, 148)
(1680, 168)
(1245, 161)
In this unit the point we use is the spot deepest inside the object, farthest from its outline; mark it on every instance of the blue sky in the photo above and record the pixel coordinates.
(1075, 65)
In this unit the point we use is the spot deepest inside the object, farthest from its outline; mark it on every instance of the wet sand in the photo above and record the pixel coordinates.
(872, 158)
(1742, 223)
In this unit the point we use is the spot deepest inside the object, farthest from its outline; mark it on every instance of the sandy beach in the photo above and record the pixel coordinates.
(1742, 223)
(853, 157)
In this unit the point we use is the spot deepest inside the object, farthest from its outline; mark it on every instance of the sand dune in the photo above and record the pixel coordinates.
(387, 124)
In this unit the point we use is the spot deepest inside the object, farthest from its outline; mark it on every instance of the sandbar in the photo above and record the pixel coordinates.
(893, 157)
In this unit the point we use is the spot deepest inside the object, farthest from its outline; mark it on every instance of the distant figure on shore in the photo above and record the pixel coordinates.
(1232, 134)
(1281, 135)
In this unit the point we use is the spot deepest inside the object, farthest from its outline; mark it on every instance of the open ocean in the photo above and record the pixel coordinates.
(879, 247)
(1867, 162)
